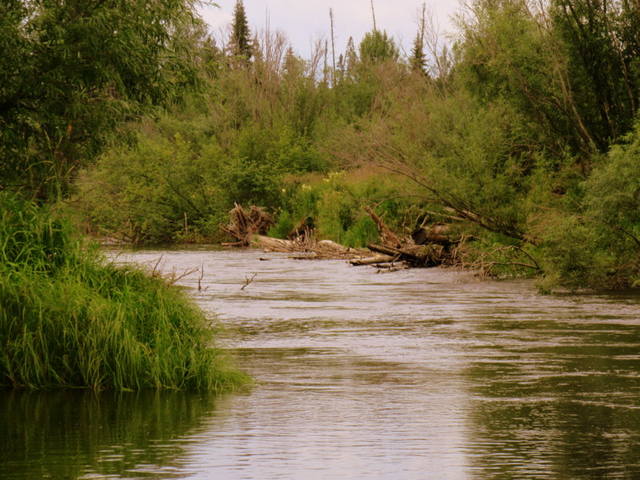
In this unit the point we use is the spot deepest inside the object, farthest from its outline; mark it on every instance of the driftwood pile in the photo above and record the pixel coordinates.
(249, 228)
(428, 246)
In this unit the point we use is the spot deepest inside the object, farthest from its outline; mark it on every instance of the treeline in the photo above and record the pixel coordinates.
(522, 133)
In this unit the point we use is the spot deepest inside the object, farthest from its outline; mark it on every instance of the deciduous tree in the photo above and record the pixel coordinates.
(72, 71)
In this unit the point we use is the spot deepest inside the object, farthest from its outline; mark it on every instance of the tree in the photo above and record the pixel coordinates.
(350, 57)
(72, 72)
(240, 42)
(418, 59)
(602, 40)
(377, 47)
(509, 56)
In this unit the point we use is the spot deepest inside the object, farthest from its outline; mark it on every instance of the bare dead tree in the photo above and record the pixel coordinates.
(333, 48)
(317, 55)
(373, 15)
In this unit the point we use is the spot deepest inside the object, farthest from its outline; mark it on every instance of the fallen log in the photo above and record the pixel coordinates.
(271, 244)
(438, 233)
(390, 251)
(306, 248)
(428, 246)
(378, 259)
(416, 256)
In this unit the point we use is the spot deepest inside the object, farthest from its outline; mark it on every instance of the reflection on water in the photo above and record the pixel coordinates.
(68, 435)
(418, 374)
(560, 396)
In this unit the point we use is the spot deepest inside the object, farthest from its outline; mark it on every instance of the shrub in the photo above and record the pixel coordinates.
(598, 245)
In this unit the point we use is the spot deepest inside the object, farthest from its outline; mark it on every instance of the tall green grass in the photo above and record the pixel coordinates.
(70, 319)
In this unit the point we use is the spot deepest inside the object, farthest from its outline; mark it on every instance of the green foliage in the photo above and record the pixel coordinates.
(418, 59)
(253, 177)
(164, 188)
(613, 190)
(68, 319)
(377, 47)
(336, 204)
(603, 46)
(184, 170)
(599, 245)
(75, 71)
(283, 226)
(508, 57)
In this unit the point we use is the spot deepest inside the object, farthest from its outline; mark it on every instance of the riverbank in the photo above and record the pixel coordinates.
(70, 319)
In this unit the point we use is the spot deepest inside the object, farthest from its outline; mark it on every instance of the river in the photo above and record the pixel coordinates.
(418, 374)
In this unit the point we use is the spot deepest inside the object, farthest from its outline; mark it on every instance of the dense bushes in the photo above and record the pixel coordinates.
(598, 242)
(69, 319)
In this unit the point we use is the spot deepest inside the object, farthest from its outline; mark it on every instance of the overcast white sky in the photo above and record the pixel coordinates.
(307, 20)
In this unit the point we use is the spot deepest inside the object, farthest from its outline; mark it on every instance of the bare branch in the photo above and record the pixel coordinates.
(248, 281)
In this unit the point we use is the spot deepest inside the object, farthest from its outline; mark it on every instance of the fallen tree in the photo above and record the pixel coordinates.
(428, 246)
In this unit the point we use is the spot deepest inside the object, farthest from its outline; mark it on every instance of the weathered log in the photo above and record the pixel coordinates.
(417, 255)
(272, 244)
(330, 244)
(305, 248)
(390, 251)
(438, 233)
(378, 259)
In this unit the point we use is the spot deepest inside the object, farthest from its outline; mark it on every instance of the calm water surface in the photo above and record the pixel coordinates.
(421, 374)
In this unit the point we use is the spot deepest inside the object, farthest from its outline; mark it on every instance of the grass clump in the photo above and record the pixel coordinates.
(70, 319)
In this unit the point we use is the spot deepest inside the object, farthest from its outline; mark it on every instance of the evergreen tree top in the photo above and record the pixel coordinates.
(240, 41)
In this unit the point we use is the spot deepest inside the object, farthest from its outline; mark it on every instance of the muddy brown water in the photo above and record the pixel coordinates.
(420, 374)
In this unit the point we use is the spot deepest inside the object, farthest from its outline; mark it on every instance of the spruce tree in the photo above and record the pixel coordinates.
(240, 41)
(418, 59)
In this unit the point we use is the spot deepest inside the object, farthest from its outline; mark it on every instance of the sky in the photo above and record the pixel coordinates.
(305, 21)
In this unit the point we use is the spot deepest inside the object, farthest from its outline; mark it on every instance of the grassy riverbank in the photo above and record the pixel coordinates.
(70, 319)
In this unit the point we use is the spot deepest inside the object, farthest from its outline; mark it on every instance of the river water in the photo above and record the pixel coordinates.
(419, 374)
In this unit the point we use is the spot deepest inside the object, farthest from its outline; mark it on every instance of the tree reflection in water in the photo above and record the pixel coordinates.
(69, 435)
